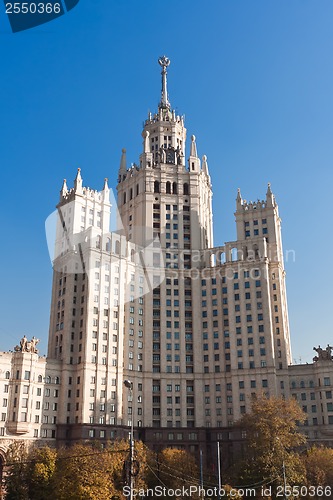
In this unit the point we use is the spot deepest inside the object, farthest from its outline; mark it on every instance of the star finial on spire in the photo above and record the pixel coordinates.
(164, 62)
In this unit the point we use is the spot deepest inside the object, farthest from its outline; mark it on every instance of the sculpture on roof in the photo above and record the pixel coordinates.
(27, 345)
(323, 354)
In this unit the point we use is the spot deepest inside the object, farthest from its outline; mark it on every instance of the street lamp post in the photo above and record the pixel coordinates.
(129, 385)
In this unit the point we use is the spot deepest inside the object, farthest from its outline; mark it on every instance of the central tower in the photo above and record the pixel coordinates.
(164, 187)
(172, 198)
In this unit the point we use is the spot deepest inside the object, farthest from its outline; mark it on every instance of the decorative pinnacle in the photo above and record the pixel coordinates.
(164, 62)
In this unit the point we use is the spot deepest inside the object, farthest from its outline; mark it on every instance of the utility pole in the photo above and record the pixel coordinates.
(201, 473)
(284, 480)
(129, 386)
(219, 468)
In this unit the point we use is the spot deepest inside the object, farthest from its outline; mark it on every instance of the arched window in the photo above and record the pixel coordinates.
(117, 248)
(98, 242)
(156, 187)
(302, 384)
(7, 375)
(40, 379)
(186, 188)
(234, 254)
(48, 379)
(108, 245)
(56, 380)
(131, 194)
(124, 198)
(174, 187)
(168, 188)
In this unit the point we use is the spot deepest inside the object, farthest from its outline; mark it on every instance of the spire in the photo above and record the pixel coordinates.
(64, 189)
(78, 182)
(123, 167)
(270, 199)
(205, 168)
(193, 161)
(193, 151)
(164, 63)
(145, 136)
(239, 200)
(106, 191)
(106, 187)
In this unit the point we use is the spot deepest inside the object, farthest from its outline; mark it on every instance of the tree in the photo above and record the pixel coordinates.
(272, 439)
(15, 484)
(121, 454)
(39, 473)
(319, 466)
(83, 473)
(177, 469)
(30, 472)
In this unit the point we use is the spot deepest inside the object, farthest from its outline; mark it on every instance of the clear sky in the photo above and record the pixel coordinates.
(254, 79)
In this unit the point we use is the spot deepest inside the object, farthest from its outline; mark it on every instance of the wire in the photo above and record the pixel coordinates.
(159, 479)
(19, 462)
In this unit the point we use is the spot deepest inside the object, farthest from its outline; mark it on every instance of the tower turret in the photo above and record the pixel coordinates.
(64, 189)
(193, 161)
(239, 200)
(122, 168)
(270, 198)
(78, 182)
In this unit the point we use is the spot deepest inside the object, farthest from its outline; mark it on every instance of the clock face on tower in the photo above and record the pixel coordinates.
(170, 156)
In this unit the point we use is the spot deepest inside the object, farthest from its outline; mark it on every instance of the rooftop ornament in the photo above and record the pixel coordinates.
(323, 354)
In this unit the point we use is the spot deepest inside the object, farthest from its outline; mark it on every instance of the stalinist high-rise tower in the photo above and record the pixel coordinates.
(196, 330)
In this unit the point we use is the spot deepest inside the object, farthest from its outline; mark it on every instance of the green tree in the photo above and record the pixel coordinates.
(272, 440)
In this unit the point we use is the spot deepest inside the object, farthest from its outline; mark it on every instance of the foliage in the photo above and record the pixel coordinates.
(39, 473)
(272, 439)
(177, 469)
(319, 466)
(82, 472)
(16, 488)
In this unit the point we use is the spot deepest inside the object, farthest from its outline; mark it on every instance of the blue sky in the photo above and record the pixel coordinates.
(254, 80)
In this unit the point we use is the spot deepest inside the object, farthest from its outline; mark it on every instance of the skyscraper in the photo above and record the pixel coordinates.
(198, 330)
(212, 332)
